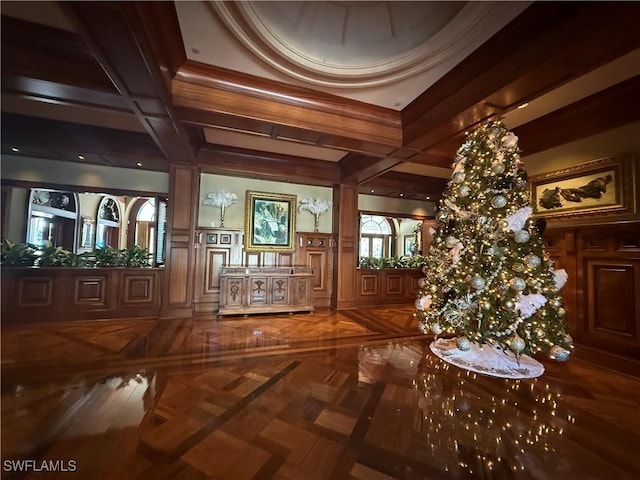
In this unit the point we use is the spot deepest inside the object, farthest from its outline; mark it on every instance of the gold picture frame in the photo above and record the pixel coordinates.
(270, 222)
(600, 187)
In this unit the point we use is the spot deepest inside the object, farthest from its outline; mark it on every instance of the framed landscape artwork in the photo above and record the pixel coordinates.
(270, 221)
(601, 187)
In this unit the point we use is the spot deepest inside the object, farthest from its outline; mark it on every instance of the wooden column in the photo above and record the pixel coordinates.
(184, 186)
(346, 223)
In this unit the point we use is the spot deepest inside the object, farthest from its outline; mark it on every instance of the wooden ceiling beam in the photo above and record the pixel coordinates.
(73, 139)
(223, 160)
(125, 40)
(606, 110)
(203, 92)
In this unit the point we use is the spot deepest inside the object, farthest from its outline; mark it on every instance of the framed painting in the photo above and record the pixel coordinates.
(601, 187)
(270, 222)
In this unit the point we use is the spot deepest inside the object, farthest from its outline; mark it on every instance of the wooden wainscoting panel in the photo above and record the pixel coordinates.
(285, 259)
(393, 284)
(139, 289)
(608, 290)
(317, 261)
(35, 292)
(414, 286)
(369, 285)
(90, 290)
(594, 242)
(215, 259)
(179, 275)
(611, 294)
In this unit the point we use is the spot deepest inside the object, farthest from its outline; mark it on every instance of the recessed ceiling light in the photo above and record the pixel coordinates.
(14, 149)
(80, 157)
(138, 164)
(402, 194)
(427, 197)
(523, 105)
(373, 191)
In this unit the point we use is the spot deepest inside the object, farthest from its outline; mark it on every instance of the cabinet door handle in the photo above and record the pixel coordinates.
(200, 237)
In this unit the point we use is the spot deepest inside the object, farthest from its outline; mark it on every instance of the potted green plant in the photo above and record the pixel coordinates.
(18, 254)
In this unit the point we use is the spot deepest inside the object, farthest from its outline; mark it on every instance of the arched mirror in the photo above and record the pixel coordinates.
(108, 222)
(53, 217)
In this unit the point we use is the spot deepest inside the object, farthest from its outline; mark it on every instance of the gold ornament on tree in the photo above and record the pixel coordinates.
(315, 206)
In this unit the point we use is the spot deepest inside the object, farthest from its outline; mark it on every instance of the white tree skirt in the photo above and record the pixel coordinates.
(487, 359)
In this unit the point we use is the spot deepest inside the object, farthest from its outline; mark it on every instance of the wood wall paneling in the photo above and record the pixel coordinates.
(50, 294)
(346, 224)
(387, 286)
(35, 291)
(561, 248)
(612, 300)
(180, 263)
(369, 285)
(90, 290)
(394, 285)
(211, 255)
(138, 290)
(608, 290)
(315, 250)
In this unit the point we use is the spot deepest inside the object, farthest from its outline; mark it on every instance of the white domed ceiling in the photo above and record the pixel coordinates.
(380, 52)
(349, 43)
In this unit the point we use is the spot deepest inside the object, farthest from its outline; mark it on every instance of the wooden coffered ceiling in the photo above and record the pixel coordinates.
(111, 81)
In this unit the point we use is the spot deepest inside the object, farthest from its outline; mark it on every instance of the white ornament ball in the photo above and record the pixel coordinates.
(532, 261)
(568, 339)
(464, 190)
(561, 312)
(422, 282)
(516, 343)
(498, 201)
(518, 284)
(458, 177)
(559, 354)
(450, 241)
(436, 328)
(521, 236)
(497, 168)
(478, 282)
(463, 344)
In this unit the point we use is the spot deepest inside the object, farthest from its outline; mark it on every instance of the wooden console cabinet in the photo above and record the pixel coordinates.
(247, 290)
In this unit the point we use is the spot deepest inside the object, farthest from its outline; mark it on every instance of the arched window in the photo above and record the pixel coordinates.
(146, 226)
(376, 234)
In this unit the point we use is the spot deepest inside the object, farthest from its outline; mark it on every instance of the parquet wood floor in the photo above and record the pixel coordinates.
(329, 395)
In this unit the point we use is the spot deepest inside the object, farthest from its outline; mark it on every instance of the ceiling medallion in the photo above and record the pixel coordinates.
(353, 44)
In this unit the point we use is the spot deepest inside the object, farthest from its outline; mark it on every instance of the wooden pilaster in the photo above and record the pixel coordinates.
(180, 262)
(346, 222)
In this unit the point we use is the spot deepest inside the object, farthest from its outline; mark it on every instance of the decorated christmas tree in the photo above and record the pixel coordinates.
(488, 278)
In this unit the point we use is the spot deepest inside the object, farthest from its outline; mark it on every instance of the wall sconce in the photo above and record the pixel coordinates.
(317, 207)
(220, 199)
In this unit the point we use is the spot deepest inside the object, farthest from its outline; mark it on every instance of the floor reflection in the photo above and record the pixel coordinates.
(361, 407)
(479, 424)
